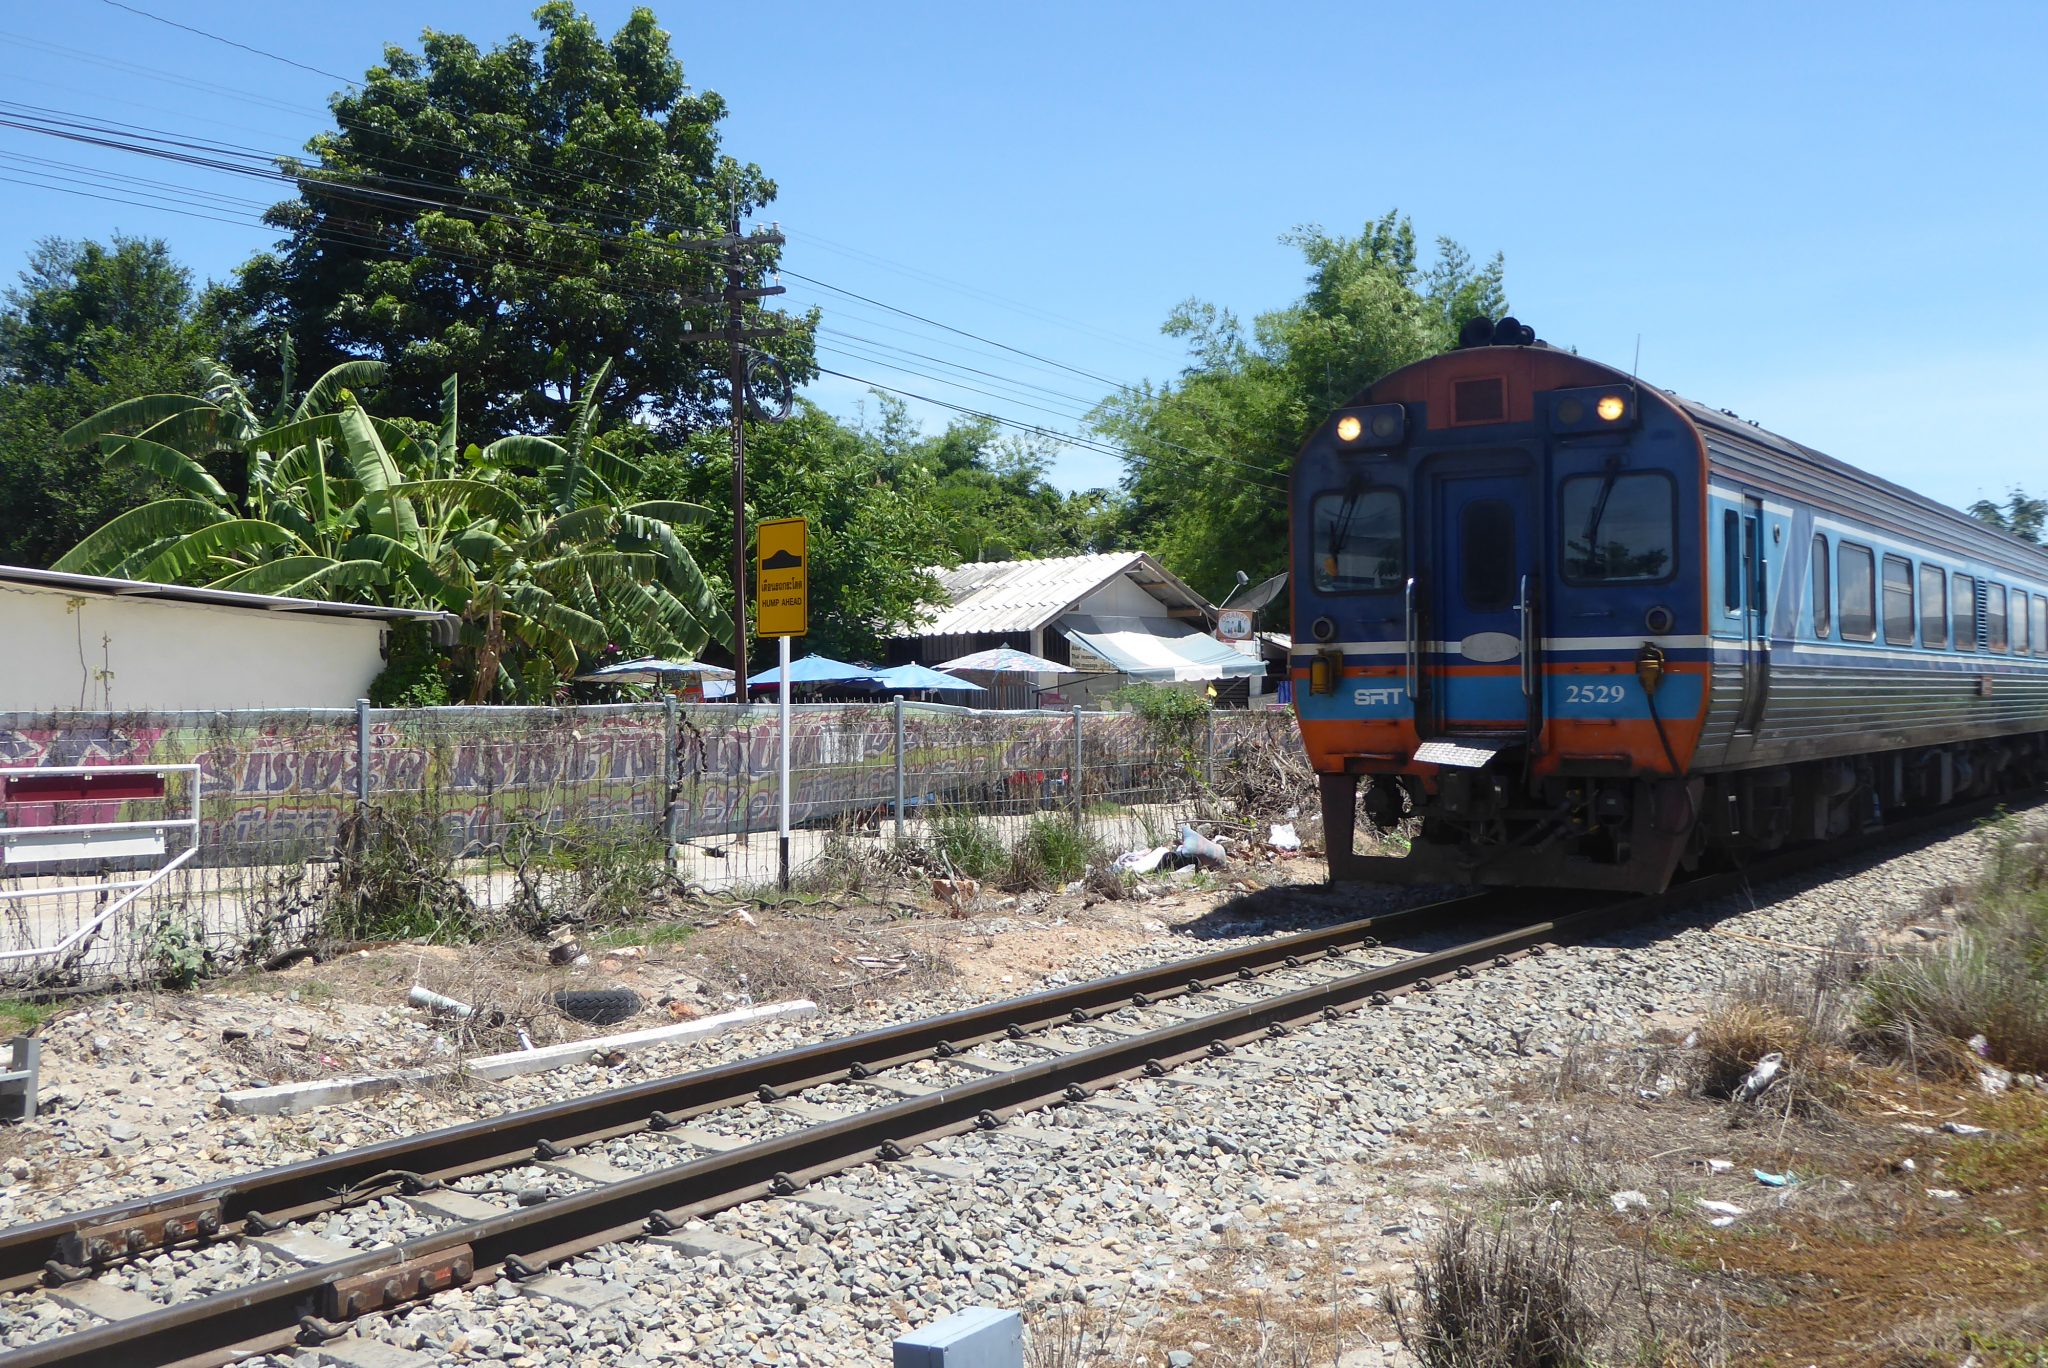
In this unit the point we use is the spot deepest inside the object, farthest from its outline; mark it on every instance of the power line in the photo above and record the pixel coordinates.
(158, 18)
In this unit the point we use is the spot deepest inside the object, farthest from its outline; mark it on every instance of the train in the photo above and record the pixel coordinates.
(1564, 629)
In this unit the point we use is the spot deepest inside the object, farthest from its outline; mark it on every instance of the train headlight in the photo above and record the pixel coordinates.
(1597, 408)
(1381, 425)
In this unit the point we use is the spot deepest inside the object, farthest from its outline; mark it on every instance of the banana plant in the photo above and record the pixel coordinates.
(339, 504)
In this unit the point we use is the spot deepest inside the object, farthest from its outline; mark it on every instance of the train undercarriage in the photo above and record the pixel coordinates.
(1499, 826)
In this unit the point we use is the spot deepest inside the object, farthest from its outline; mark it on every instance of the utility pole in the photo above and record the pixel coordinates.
(735, 299)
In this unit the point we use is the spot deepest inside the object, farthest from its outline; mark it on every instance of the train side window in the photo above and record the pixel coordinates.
(1823, 598)
(1898, 601)
(1857, 572)
(2040, 619)
(1994, 615)
(1358, 544)
(2019, 622)
(1933, 607)
(1731, 561)
(1963, 594)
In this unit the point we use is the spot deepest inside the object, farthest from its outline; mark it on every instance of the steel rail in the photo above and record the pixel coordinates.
(259, 1201)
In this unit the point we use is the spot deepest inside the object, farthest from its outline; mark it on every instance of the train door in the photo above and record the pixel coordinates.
(1746, 568)
(1480, 653)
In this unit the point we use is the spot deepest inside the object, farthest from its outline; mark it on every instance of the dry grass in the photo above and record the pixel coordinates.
(832, 964)
(1802, 1021)
(1492, 1296)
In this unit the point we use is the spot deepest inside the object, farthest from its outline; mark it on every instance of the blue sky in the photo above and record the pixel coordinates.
(1826, 217)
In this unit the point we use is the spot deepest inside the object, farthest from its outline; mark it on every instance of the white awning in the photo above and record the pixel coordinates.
(1157, 649)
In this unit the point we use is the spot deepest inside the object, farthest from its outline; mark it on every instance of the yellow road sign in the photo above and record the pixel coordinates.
(782, 577)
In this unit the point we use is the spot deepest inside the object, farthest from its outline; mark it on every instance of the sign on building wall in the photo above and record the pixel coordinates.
(782, 572)
(1234, 624)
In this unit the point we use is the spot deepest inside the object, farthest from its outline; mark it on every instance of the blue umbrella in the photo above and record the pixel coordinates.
(915, 677)
(815, 669)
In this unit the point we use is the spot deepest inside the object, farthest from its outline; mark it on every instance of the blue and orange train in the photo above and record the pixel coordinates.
(1590, 633)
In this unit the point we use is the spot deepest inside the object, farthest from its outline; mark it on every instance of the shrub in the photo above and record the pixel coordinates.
(1052, 851)
(1989, 979)
(1494, 1298)
(1776, 1013)
(966, 844)
(416, 671)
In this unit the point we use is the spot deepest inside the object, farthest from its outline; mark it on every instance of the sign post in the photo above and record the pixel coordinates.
(782, 609)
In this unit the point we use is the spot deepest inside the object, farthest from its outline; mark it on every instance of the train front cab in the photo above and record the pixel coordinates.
(1498, 621)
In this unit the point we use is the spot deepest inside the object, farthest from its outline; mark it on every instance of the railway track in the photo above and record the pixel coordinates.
(1088, 1037)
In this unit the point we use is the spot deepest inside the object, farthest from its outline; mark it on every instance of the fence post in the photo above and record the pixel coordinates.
(899, 769)
(669, 714)
(363, 751)
(1074, 770)
(1209, 752)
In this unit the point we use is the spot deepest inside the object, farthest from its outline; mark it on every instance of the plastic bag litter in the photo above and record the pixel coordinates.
(1140, 861)
(1199, 848)
(1786, 1179)
(1760, 1077)
(1727, 1211)
(1283, 836)
(1627, 1198)
(1961, 1128)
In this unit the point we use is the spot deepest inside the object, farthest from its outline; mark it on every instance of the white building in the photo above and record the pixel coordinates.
(81, 642)
(1116, 618)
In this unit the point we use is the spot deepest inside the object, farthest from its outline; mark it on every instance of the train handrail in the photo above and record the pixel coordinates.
(1414, 657)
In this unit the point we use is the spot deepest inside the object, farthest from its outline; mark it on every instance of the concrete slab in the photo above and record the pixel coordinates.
(591, 1168)
(714, 1244)
(809, 1111)
(710, 1141)
(1115, 1107)
(455, 1206)
(585, 1294)
(370, 1353)
(950, 1169)
(899, 1087)
(834, 1203)
(104, 1300)
(303, 1246)
(1034, 1135)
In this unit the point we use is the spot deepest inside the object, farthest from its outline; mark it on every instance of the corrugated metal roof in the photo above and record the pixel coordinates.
(225, 598)
(1017, 596)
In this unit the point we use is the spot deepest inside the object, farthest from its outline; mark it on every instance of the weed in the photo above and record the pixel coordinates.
(1989, 979)
(650, 934)
(966, 844)
(1775, 1013)
(177, 951)
(1051, 852)
(20, 1017)
(1491, 1297)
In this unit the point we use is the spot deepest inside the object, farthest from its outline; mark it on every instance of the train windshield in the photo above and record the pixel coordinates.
(1358, 544)
(1619, 527)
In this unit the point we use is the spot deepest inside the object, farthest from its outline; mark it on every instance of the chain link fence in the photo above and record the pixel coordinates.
(458, 822)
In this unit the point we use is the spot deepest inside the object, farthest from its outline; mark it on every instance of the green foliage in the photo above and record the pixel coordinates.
(87, 324)
(2021, 514)
(966, 844)
(178, 952)
(541, 545)
(20, 1017)
(416, 673)
(1052, 851)
(548, 188)
(1989, 979)
(1210, 454)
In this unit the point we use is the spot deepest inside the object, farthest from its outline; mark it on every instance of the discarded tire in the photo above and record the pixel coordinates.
(599, 1007)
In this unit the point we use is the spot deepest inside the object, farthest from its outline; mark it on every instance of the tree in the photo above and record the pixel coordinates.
(504, 215)
(537, 543)
(87, 324)
(2021, 514)
(1209, 455)
(874, 527)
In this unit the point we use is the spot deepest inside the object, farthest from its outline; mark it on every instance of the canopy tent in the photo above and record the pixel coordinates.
(815, 669)
(1004, 660)
(912, 678)
(1149, 649)
(649, 670)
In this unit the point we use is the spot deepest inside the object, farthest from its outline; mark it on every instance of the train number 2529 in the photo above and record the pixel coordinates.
(1595, 693)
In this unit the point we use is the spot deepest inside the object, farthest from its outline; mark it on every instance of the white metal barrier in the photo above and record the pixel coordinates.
(25, 848)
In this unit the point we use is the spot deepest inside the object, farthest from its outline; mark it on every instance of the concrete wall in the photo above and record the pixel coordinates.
(1121, 597)
(104, 652)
